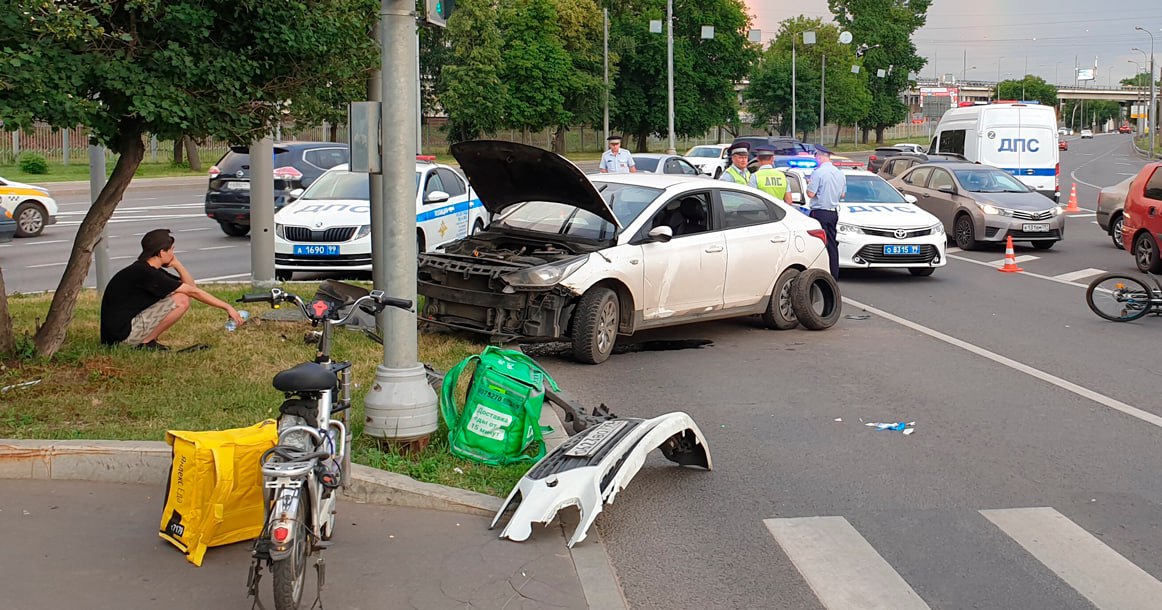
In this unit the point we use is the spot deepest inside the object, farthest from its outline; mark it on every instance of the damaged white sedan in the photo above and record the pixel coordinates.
(588, 258)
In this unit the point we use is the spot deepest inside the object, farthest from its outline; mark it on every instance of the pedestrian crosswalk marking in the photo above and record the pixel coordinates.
(841, 567)
(1104, 577)
(1077, 275)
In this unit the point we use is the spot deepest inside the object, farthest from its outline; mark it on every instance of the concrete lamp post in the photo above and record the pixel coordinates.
(1151, 113)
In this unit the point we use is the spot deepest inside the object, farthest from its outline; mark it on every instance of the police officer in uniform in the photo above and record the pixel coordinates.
(826, 188)
(737, 172)
(616, 160)
(768, 179)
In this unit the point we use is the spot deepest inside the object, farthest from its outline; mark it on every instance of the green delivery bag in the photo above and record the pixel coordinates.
(501, 416)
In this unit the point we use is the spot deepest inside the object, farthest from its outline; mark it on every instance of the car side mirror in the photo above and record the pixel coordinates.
(661, 234)
(951, 190)
(910, 198)
(797, 197)
(436, 197)
(295, 194)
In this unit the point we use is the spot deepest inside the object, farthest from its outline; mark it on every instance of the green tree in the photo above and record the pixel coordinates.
(886, 26)
(472, 91)
(535, 65)
(435, 53)
(705, 71)
(1088, 114)
(581, 37)
(202, 68)
(1140, 79)
(1029, 88)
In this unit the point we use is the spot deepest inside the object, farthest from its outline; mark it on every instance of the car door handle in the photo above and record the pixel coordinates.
(713, 249)
(778, 239)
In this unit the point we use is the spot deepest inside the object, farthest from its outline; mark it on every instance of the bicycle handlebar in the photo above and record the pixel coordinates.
(372, 303)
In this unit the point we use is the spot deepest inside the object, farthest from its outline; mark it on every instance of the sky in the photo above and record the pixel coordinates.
(975, 40)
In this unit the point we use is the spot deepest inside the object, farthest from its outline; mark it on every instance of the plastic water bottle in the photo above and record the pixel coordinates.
(231, 326)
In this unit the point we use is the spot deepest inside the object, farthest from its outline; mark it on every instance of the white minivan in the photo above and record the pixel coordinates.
(1017, 137)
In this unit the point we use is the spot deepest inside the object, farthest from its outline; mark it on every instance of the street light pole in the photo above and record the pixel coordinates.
(605, 27)
(670, 69)
(997, 93)
(1151, 114)
(793, 126)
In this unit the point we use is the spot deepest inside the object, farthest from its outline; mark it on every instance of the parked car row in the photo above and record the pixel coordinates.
(1127, 212)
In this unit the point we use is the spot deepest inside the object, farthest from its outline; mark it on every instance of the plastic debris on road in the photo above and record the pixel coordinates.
(859, 316)
(905, 427)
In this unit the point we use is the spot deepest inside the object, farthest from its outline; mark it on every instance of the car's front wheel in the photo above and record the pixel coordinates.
(1116, 232)
(283, 275)
(234, 230)
(780, 315)
(595, 324)
(964, 233)
(1044, 244)
(30, 219)
(1146, 254)
(921, 271)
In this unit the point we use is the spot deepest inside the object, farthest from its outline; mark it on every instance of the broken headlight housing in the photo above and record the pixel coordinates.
(545, 275)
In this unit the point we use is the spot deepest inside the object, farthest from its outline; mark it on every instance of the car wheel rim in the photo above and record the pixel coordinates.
(785, 308)
(1145, 252)
(963, 233)
(30, 221)
(1118, 229)
(606, 327)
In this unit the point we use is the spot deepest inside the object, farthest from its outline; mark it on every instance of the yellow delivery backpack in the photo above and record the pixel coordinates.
(214, 494)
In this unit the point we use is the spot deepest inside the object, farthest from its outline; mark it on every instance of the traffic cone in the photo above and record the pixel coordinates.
(1072, 206)
(1010, 265)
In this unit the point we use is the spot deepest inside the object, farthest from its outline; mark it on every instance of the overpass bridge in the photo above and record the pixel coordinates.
(971, 91)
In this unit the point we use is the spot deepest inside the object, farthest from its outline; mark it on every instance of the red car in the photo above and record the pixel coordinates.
(1142, 224)
(1124, 128)
(1062, 144)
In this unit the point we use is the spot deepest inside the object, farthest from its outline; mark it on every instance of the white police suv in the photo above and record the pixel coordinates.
(328, 228)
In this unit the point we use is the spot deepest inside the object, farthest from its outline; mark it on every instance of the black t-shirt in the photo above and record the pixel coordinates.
(130, 292)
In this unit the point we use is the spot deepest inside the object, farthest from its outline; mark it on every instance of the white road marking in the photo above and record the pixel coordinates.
(952, 250)
(42, 243)
(1101, 574)
(61, 264)
(1073, 174)
(1026, 273)
(1086, 214)
(224, 277)
(1024, 258)
(1077, 275)
(843, 570)
(217, 248)
(1068, 386)
(191, 230)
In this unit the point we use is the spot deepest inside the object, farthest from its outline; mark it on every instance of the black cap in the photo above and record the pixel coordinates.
(154, 242)
(740, 148)
(819, 148)
(764, 152)
(613, 138)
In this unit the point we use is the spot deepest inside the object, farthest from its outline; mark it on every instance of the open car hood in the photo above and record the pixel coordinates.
(505, 173)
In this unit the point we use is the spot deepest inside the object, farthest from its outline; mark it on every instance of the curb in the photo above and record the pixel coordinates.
(82, 187)
(149, 462)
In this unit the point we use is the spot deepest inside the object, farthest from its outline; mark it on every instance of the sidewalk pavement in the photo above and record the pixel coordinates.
(79, 522)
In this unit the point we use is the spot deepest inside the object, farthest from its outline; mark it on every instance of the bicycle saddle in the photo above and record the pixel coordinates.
(306, 377)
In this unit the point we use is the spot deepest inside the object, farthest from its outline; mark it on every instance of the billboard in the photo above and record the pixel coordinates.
(935, 101)
(1085, 74)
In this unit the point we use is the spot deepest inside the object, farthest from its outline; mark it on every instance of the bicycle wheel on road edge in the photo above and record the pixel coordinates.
(1119, 298)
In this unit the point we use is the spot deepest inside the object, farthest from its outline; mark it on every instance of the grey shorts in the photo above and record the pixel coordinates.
(144, 322)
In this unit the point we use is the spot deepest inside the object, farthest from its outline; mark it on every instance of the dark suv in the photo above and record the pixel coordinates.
(784, 147)
(296, 165)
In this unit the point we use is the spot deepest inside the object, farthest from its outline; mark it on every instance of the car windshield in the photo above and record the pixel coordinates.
(342, 185)
(626, 200)
(871, 189)
(703, 152)
(989, 181)
(646, 164)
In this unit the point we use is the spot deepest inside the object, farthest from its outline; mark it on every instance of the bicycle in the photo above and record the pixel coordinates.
(1123, 298)
(304, 469)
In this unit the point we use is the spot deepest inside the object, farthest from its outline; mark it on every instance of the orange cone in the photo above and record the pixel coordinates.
(1010, 259)
(1072, 206)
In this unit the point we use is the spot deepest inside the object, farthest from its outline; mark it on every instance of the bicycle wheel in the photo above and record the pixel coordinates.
(1119, 298)
(290, 574)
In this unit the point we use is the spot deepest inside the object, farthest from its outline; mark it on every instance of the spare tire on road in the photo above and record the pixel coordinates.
(815, 299)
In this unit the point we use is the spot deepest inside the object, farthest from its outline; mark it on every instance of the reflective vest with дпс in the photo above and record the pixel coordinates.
(772, 182)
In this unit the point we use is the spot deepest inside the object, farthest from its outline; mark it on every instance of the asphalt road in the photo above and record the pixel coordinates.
(1029, 481)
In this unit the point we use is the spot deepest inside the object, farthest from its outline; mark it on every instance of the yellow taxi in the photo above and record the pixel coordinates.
(30, 206)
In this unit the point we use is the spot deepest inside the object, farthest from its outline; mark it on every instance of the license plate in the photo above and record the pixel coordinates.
(1039, 227)
(316, 250)
(897, 250)
(236, 186)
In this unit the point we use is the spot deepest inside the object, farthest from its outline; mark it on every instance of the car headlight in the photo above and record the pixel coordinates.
(937, 229)
(545, 275)
(1056, 211)
(278, 230)
(848, 229)
(363, 231)
(992, 209)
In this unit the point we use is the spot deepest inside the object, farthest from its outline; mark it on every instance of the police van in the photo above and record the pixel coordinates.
(1017, 137)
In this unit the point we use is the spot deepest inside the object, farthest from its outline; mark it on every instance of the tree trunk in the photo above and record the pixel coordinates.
(559, 140)
(333, 136)
(863, 134)
(7, 334)
(178, 150)
(641, 146)
(837, 129)
(192, 153)
(51, 335)
(880, 134)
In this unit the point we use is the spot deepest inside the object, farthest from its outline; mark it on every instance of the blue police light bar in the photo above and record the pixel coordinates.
(802, 163)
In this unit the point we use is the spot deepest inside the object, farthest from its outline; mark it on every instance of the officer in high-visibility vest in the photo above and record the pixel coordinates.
(737, 172)
(768, 179)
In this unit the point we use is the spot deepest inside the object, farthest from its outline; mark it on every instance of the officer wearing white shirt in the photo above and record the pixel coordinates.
(616, 160)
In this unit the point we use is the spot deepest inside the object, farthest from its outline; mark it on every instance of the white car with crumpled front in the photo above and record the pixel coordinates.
(328, 228)
(879, 227)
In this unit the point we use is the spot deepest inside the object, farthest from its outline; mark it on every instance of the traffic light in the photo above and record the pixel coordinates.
(439, 11)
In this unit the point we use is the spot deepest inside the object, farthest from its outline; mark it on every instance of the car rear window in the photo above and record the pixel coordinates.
(1154, 186)
(646, 164)
(238, 158)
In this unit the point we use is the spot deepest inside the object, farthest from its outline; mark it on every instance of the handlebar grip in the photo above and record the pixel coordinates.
(255, 298)
(397, 302)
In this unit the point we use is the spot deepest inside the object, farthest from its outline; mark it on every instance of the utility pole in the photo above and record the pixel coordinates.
(400, 406)
(1152, 113)
(96, 185)
(605, 27)
(670, 70)
(262, 213)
